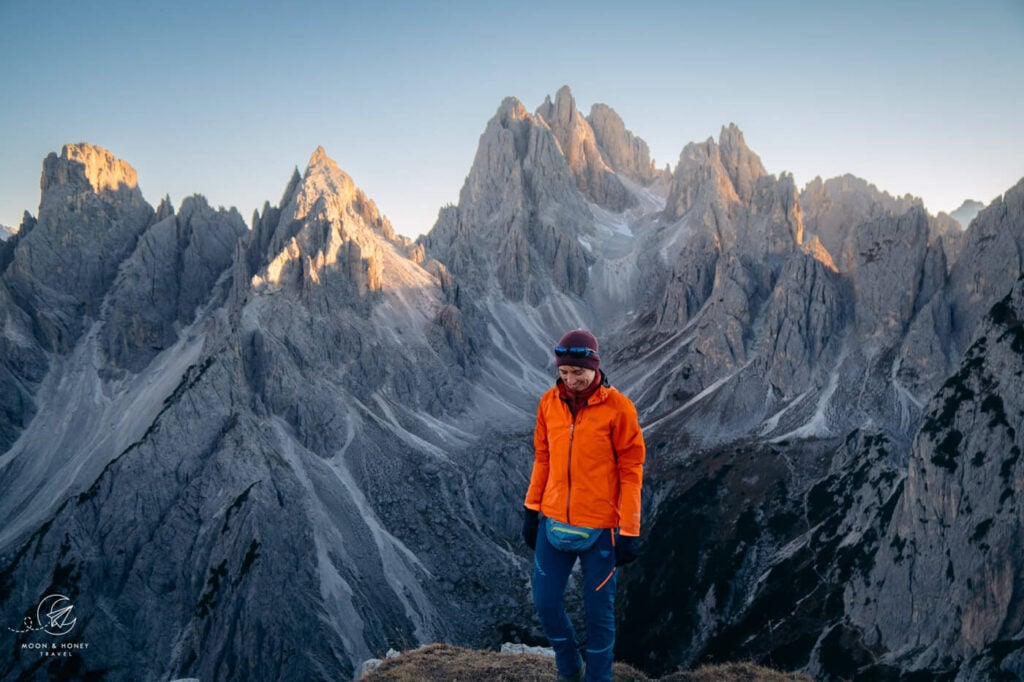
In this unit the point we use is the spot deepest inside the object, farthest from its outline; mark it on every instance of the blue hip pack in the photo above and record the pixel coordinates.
(568, 538)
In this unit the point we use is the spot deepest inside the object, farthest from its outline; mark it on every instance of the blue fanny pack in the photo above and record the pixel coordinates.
(569, 538)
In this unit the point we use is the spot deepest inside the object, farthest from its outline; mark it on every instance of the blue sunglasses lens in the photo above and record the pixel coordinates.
(574, 352)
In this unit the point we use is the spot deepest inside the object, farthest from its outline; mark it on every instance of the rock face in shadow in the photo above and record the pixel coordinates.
(957, 527)
(90, 216)
(169, 276)
(58, 268)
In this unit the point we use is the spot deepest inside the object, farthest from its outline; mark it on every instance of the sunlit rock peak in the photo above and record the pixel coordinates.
(714, 173)
(814, 248)
(86, 163)
(594, 177)
(625, 152)
(328, 227)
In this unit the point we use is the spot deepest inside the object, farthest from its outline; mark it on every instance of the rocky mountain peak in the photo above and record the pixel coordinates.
(710, 173)
(594, 177)
(326, 231)
(520, 213)
(168, 277)
(323, 177)
(992, 251)
(91, 212)
(742, 165)
(86, 167)
(562, 113)
(700, 178)
(834, 208)
(625, 153)
(324, 180)
(966, 213)
(164, 210)
(724, 191)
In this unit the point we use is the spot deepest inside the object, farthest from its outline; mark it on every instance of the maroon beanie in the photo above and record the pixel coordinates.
(579, 338)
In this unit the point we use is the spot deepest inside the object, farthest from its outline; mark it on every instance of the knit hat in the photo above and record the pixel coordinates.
(578, 339)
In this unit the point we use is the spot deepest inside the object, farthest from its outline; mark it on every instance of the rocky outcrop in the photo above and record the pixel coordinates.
(57, 270)
(773, 223)
(832, 210)
(887, 261)
(577, 142)
(700, 183)
(804, 323)
(991, 259)
(90, 215)
(328, 230)
(519, 216)
(167, 278)
(741, 164)
(625, 153)
(952, 551)
(723, 173)
(724, 189)
(328, 253)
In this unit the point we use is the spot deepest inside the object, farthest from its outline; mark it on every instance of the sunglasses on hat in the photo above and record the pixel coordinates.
(576, 352)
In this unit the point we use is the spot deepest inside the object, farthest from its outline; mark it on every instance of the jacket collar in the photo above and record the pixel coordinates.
(598, 396)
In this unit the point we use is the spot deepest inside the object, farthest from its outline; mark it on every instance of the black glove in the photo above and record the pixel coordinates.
(627, 549)
(531, 521)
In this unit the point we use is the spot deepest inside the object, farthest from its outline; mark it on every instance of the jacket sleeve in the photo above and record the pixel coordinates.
(541, 462)
(631, 452)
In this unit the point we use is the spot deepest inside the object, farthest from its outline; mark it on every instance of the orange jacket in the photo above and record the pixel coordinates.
(588, 471)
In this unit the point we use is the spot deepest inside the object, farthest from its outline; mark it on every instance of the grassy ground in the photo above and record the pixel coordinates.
(445, 663)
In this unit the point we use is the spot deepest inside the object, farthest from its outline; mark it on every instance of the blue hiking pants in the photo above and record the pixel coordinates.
(551, 569)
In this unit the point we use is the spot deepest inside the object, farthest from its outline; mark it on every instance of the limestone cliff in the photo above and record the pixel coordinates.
(578, 143)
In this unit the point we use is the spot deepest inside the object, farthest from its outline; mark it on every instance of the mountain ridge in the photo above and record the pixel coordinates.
(322, 404)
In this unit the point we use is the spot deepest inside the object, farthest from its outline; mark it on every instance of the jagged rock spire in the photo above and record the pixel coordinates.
(90, 214)
(576, 139)
(624, 152)
(520, 213)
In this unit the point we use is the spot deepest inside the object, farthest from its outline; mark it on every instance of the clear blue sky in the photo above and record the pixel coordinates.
(924, 97)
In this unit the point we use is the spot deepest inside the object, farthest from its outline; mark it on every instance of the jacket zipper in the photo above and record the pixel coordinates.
(568, 478)
(568, 492)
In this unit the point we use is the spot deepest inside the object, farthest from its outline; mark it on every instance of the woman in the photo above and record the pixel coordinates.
(583, 502)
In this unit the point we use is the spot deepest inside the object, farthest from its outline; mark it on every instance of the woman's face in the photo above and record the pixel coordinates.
(576, 379)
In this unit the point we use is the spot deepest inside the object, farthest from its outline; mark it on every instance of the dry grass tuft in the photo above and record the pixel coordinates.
(735, 672)
(446, 663)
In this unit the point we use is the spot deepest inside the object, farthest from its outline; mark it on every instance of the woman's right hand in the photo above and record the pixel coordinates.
(531, 521)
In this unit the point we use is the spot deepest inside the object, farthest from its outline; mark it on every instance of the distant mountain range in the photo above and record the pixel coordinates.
(967, 211)
(278, 452)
